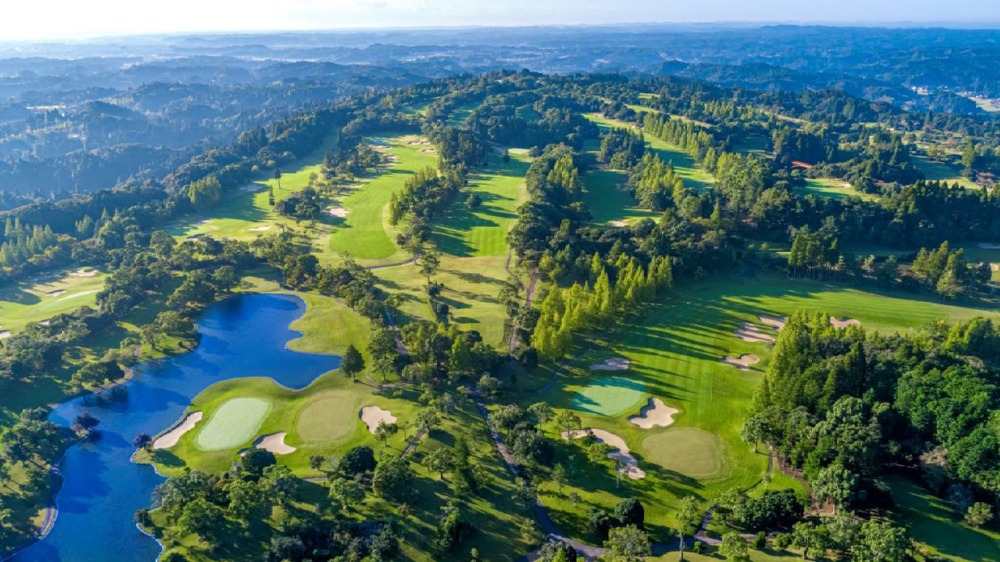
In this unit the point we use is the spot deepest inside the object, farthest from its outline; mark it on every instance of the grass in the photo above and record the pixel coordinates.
(43, 297)
(939, 171)
(365, 232)
(937, 528)
(466, 232)
(674, 351)
(607, 199)
(833, 188)
(233, 423)
(610, 396)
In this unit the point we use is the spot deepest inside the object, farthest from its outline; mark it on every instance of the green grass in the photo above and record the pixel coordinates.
(466, 232)
(610, 396)
(674, 351)
(365, 232)
(832, 188)
(688, 451)
(233, 423)
(607, 199)
(39, 299)
(938, 529)
(939, 171)
(331, 415)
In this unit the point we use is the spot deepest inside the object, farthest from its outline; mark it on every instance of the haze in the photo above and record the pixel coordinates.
(66, 19)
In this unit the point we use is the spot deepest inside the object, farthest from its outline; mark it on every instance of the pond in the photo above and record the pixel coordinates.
(244, 336)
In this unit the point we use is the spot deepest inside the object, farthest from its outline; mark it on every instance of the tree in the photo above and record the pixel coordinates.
(880, 541)
(629, 511)
(979, 514)
(393, 479)
(356, 461)
(85, 422)
(385, 430)
(256, 461)
(202, 519)
(247, 502)
(734, 548)
(439, 460)
(837, 483)
(687, 515)
(559, 476)
(347, 492)
(627, 544)
(567, 422)
(142, 441)
(429, 262)
(810, 538)
(352, 362)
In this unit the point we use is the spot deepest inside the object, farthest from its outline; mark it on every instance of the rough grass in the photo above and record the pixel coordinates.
(938, 529)
(329, 416)
(939, 171)
(610, 396)
(29, 301)
(466, 232)
(233, 423)
(674, 351)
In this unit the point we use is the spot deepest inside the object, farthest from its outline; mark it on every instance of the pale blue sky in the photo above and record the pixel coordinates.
(53, 19)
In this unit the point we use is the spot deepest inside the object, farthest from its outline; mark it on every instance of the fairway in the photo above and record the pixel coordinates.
(41, 298)
(365, 232)
(233, 424)
(686, 450)
(327, 417)
(607, 199)
(939, 171)
(833, 188)
(467, 232)
(610, 396)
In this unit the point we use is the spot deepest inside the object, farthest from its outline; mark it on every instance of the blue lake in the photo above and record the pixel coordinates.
(240, 337)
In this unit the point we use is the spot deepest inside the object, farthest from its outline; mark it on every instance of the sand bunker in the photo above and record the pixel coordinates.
(615, 364)
(742, 362)
(837, 323)
(995, 267)
(264, 228)
(84, 273)
(5, 334)
(751, 333)
(338, 212)
(988, 246)
(776, 322)
(621, 452)
(373, 416)
(170, 438)
(252, 187)
(619, 224)
(275, 443)
(55, 293)
(653, 414)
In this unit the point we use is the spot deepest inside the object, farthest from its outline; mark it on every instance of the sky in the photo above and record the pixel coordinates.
(75, 19)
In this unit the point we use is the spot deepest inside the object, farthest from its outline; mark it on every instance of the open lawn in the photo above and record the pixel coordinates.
(939, 171)
(936, 527)
(674, 351)
(232, 424)
(610, 396)
(833, 188)
(467, 232)
(43, 297)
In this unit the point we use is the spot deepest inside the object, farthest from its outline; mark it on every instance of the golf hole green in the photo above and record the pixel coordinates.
(610, 396)
(233, 424)
(687, 450)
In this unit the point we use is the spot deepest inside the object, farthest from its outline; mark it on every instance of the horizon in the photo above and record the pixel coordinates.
(106, 19)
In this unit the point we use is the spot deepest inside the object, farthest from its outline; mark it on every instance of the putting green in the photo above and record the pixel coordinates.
(688, 450)
(330, 416)
(610, 396)
(233, 424)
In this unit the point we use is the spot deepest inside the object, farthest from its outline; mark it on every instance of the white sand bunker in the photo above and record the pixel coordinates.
(263, 228)
(275, 443)
(742, 362)
(5, 334)
(615, 364)
(252, 187)
(653, 414)
(988, 246)
(55, 293)
(338, 212)
(837, 323)
(619, 224)
(751, 333)
(776, 322)
(373, 416)
(84, 273)
(995, 267)
(391, 158)
(621, 451)
(170, 438)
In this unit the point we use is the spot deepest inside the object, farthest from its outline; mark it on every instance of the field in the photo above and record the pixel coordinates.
(674, 351)
(931, 521)
(939, 171)
(833, 188)
(41, 298)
